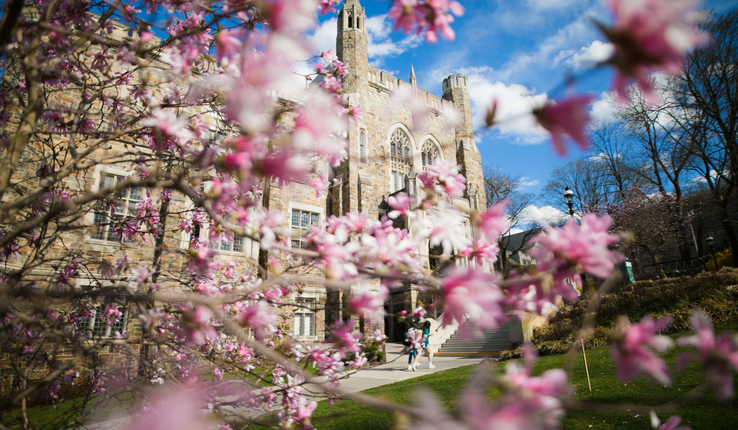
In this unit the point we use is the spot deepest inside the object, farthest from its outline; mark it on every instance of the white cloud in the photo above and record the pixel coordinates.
(549, 4)
(604, 110)
(587, 56)
(514, 105)
(380, 43)
(528, 182)
(324, 36)
(545, 215)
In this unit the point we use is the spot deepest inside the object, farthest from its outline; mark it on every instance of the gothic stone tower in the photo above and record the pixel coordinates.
(351, 45)
(456, 90)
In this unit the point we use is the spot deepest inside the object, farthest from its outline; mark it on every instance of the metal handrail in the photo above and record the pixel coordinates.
(677, 267)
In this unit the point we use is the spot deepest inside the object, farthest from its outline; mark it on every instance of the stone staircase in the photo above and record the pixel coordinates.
(487, 343)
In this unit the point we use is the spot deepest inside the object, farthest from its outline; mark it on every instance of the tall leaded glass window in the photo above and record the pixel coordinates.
(429, 154)
(400, 145)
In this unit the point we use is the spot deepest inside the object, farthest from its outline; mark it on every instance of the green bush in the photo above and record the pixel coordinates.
(371, 352)
(715, 293)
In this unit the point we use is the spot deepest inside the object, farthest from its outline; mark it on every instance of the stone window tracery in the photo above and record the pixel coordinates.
(400, 159)
(429, 154)
(400, 145)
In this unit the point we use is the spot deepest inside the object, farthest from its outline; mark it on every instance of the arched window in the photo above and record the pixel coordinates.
(429, 154)
(401, 161)
(400, 145)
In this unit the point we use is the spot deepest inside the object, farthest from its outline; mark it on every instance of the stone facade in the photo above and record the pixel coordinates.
(386, 154)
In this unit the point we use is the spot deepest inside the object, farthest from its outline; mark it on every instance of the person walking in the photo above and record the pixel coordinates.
(412, 350)
(425, 346)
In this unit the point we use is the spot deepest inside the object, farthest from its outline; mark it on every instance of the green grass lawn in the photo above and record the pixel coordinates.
(62, 415)
(704, 412)
(636, 397)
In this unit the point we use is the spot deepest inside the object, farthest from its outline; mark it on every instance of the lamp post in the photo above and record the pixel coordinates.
(569, 198)
(710, 241)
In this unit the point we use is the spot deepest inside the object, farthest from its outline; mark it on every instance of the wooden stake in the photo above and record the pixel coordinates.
(585, 366)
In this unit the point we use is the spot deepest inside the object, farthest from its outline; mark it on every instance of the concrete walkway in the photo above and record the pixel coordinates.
(396, 369)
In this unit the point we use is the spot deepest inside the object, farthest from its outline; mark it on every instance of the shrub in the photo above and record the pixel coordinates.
(715, 293)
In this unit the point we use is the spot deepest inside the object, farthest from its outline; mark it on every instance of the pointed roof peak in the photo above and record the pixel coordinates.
(412, 71)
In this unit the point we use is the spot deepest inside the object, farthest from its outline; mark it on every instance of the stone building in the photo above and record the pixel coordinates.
(386, 154)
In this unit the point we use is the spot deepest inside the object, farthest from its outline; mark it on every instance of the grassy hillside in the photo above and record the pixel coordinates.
(716, 293)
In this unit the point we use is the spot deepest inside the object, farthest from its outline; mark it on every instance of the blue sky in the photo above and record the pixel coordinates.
(519, 51)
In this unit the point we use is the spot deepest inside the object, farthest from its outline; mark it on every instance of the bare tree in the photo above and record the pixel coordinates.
(500, 186)
(612, 151)
(663, 148)
(706, 108)
(586, 177)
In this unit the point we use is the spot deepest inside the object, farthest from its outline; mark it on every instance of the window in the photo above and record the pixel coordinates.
(301, 222)
(362, 146)
(224, 243)
(429, 153)
(400, 145)
(398, 181)
(97, 325)
(305, 317)
(126, 201)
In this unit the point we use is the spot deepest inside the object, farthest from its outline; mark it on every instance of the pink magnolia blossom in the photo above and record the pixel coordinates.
(328, 56)
(367, 302)
(481, 251)
(472, 297)
(444, 226)
(180, 409)
(380, 337)
(566, 117)
(355, 113)
(343, 338)
(229, 43)
(328, 364)
(169, 124)
(197, 327)
(304, 412)
(438, 18)
(650, 36)
(407, 15)
(402, 204)
(632, 348)
(258, 317)
(200, 263)
(553, 382)
(532, 403)
(320, 186)
(718, 356)
(359, 362)
(444, 178)
(575, 248)
(494, 221)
